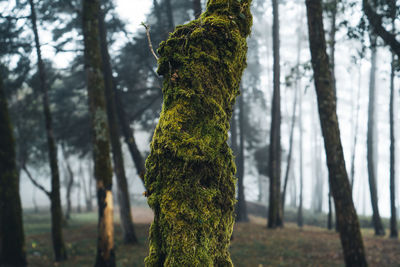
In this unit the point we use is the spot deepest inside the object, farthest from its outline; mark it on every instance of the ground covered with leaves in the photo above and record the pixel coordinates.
(252, 245)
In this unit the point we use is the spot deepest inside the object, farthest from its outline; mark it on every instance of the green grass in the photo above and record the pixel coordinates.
(252, 245)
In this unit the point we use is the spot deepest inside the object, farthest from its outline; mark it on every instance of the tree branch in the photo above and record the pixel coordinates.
(34, 182)
(147, 27)
(376, 22)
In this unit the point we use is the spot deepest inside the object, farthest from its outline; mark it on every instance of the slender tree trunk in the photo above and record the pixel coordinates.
(101, 144)
(353, 154)
(55, 199)
(300, 207)
(190, 169)
(274, 211)
(289, 157)
(332, 42)
(127, 132)
(12, 240)
(129, 235)
(393, 217)
(241, 209)
(347, 220)
(376, 218)
(70, 175)
(170, 15)
(197, 8)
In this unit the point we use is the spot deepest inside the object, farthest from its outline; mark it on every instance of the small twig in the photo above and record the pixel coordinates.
(147, 27)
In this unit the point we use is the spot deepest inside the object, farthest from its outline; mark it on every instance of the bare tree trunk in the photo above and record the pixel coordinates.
(300, 207)
(241, 209)
(12, 240)
(70, 175)
(393, 217)
(353, 154)
(289, 157)
(376, 218)
(129, 235)
(101, 144)
(190, 140)
(274, 211)
(347, 220)
(55, 199)
(197, 8)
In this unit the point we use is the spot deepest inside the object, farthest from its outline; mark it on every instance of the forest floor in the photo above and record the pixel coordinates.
(252, 245)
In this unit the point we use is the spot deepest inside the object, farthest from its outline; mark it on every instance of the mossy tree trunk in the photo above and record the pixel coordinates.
(190, 170)
(371, 146)
(347, 220)
(101, 144)
(55, 199)
(274, 210)
(129, 235)
(12, 241)
(241, 209)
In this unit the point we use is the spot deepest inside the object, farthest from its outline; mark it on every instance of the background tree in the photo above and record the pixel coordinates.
(274, 210)
(101, 144)
(12, 240)
(347, 220)
(60, 253)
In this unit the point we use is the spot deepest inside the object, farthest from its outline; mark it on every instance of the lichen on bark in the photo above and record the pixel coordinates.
(190, 170)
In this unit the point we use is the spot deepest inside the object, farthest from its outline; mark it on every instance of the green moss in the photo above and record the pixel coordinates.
(190, 170)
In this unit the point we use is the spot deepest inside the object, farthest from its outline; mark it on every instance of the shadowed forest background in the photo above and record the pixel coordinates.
(87, 94)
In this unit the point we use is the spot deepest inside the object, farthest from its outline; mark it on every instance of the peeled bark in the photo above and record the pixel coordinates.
(241, 209)
(55, 199)
(12, 240)
(376, 218)
(129, 235)
(190, 170)
(101, 144)
(274, 210)
(347, 220)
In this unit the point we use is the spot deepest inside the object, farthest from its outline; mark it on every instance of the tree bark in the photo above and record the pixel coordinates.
(347, 220)
(241, 209)
(190, 170)
(129, 235)
(55, 199)
(376, 218)
(101, 144)
(12, 240)
(274, 211)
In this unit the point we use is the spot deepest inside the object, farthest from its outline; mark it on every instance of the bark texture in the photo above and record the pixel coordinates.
(12, 240)
(101, 144)
(129, 235)
(274, 210)
(190, 170)
(60, 253)
(347, 220)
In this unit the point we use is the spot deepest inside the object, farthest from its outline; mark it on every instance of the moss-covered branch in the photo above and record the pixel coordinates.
(190, 171)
